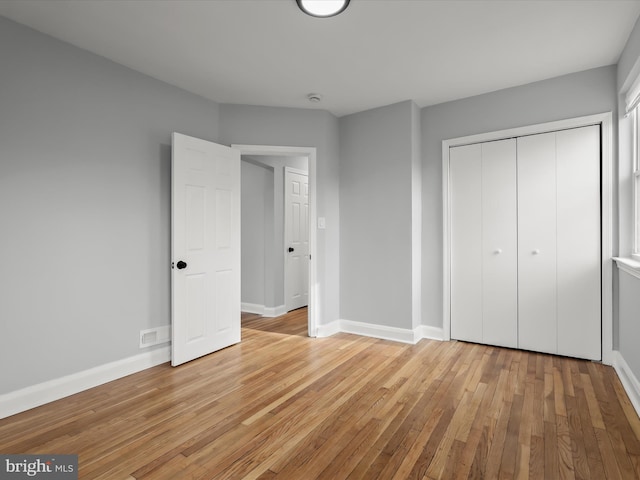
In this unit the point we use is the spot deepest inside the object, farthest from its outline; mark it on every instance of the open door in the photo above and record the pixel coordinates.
(205, 248)
(296, 238)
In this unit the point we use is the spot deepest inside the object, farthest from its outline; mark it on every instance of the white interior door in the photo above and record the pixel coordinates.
(205, 248)
(296, 227)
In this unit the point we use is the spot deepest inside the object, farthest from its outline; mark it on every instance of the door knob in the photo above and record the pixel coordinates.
(497, 251)
(181, 265)
(291, 249)
(536, 252)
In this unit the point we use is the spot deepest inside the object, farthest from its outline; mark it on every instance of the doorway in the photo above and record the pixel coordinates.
(265, 252)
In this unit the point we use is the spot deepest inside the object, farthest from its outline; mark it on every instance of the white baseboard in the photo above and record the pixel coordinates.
(432, 333)
(49, 391)
(328, 329)
(274, 311)
(381, 331)
(628, 379)
(262, 310)
(252, 308)
(378, 331)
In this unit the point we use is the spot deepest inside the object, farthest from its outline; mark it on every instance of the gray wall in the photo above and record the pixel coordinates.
(578, 94)
(629, 311)
(257, 216)
(629, 55)
(376, 151)
(256, 125)
(84, 204)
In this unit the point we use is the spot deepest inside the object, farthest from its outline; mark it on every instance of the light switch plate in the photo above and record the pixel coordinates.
(321, 223)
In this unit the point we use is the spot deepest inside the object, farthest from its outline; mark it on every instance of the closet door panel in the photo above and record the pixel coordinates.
(537, 243)
(465, 169)
(499, 244)
(578, 268)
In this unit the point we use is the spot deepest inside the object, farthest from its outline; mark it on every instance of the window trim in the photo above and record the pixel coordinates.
(635, 179)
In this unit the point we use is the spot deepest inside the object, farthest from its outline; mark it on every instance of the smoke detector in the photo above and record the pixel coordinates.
(314, 97)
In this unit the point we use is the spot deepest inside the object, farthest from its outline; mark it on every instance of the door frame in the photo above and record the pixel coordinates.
(310, 153)
(605, 120)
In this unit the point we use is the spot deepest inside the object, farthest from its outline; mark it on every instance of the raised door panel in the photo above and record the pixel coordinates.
(578, 242)
(537, 220)
(499, 244)
(465, 173)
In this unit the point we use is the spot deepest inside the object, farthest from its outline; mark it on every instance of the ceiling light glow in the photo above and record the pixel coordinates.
(322, 8)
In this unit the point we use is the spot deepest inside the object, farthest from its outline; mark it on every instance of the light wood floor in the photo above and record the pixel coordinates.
(280, 405)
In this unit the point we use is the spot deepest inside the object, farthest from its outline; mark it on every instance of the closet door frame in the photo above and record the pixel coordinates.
(605, 121)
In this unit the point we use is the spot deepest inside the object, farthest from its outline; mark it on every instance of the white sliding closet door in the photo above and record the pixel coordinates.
(484, 241)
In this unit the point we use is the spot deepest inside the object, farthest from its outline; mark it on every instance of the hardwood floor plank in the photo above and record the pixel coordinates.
(609, 462)
(282, 405)
(616, 416)
(576, 435)
(558, 392)
(567, 378)
(497, 441)
(346, 460)
(629, 412)
(510, 450)
(537, 414)
(551, 469)
(549, 399)
(475, 433)
(592, 403)
(565, 449)
(413, 454)
(419, 469)
(537, 459)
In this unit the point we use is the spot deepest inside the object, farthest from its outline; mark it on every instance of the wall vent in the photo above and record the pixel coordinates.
(154, 336)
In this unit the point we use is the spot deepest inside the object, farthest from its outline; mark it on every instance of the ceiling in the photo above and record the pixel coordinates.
(378, 52)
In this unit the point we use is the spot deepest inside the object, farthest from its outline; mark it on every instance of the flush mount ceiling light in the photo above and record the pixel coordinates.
(322, 8)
